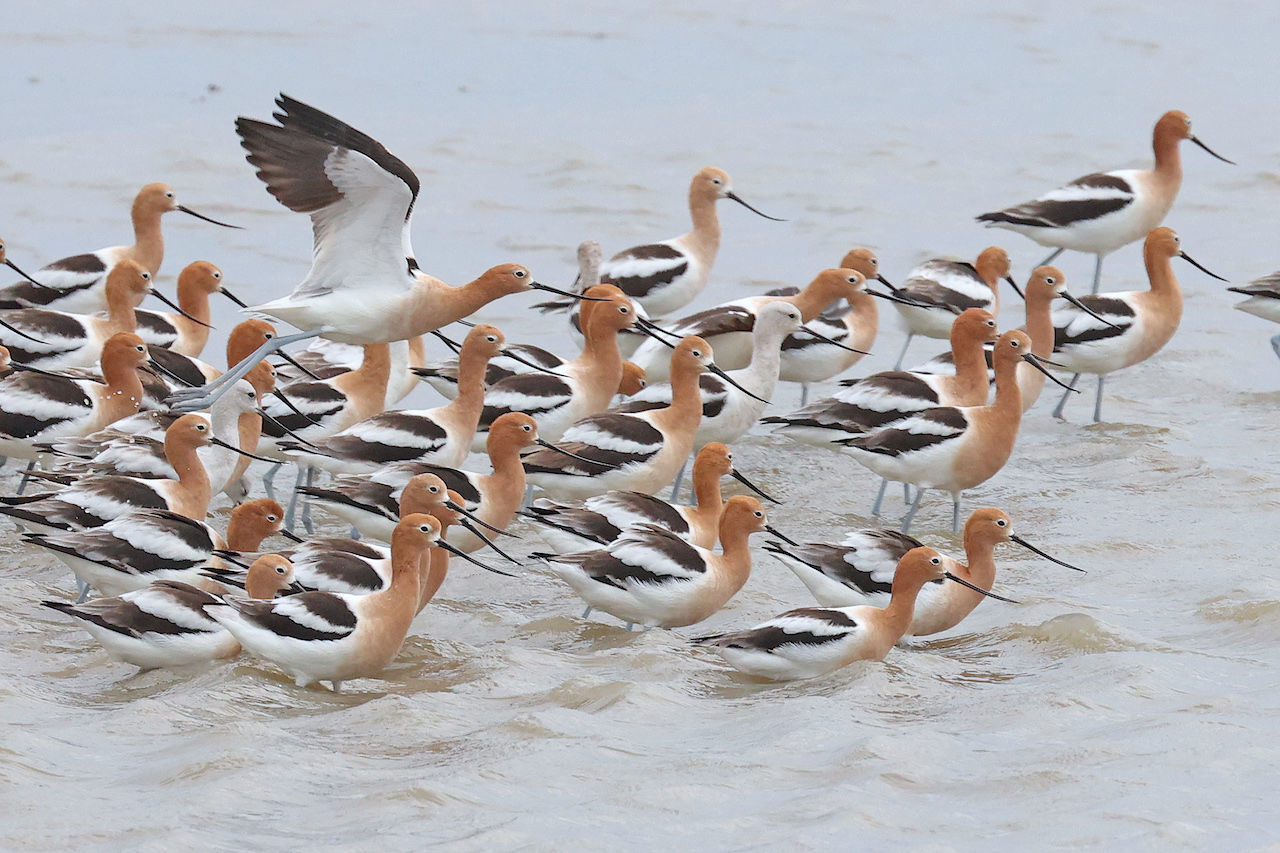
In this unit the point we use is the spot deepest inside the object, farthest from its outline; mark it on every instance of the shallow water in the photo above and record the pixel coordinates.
(1130, 707)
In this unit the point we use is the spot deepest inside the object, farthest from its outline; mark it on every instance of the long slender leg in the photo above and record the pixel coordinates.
(306, 502)
(875, 507)
(804, 394)
(675, 488)
(1097, 274)
(906, 493)
(955, 512)
(293, 501)
(903, 354)
(26, 476)
(528, 495)
(1097, 404)
(1057, 410)
(82, 590)
(268, 479)
(587, 612)
(911, 513)
(195, 399)
(1049, 259)
(1275, 345)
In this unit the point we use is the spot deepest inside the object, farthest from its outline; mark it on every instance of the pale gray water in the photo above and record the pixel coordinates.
(1129, 708)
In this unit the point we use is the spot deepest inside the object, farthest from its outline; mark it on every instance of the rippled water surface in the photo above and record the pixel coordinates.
(1132, 707)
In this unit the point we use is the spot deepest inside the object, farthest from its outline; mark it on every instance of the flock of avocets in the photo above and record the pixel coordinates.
(135, 435)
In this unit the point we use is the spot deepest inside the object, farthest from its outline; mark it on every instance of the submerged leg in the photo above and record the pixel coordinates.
(268, 479)
(194, 399)
(293, 501)
(26, 476)
(675, 488)
(1097, 274)
(1275, 345)
(1057, 410)
(903, 354)
(82, 591)
(587, 612)
(306, 502)
(911, 513)
(804, 394)
(955, 512)
(1097, 404)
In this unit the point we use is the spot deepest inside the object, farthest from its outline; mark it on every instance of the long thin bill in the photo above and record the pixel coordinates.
(233, 298)
(549, 446)
(1034, 550)
(833, 343)
(537, 285)
(1016, 289)
(988, 593)
(1086, 309)
(289, 404)
(527, 363)
(1211, 151)
(448, 341)
(452, 550)
(288, 359)
(462, 522)
(900, 300)
(1031, 359)
(262, 413)
(11, 265)
(18, 331)
(158, 295)
(291, 536)
(1189, 260)
(735, 197)
(737, 475)
(719, 372)
(461, 510)
(191, 212)
(787, 539)
(220, 443)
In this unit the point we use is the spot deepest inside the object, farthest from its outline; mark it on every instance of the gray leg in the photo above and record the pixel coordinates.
(293, 501)
(1097, 274)
(528, 495)
(1057, 410)
(911, 513)
(675, 488)
(1097, 404)
(355, 534)
(875, 507)
(587, 612)
(955, 512)
(903, 354)
(195, 399)
(906, 493)
(26, 476)
(268, 479)
(306, 502)
(804, 394)
(1049, 259)
(1275, 345)
(82, 590)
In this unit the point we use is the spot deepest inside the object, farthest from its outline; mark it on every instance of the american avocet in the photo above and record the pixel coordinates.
(650, 576)
(638, 452)
(364, 286)
(861, 569)
(938, 290)
(4, 259)
(1123, 328)
(1101, 212)
(948, 447)
(322, 636)
(666, 276)
(55, 339)
(728, 327)
(576, 389)
(93, 501)
(234, 419)
(442, 375)
(885, 398)
(326, 359)
(729, 411)
(807, 358)
(37, 406)
(1263, 301)
(186, 331)
(138, 547)
(165, 624)
(633, 380)
(371, 503)
(601, 519)
(442, 436)
(814, 641)
(76, 283)
(351, 566)
(1045, 285)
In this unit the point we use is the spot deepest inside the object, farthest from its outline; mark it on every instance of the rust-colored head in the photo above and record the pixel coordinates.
(993, 264)
(256, 519)
(973, 324)
(246, 337)
(742, 513)
(608, 317)
(838, 283)
(988, 526)
(1162, 242)
(199, 277)
(633, 379)
(414, 534)
(691, 354)
(124, 348)
(191, 430)
(484, 341)
(128, 281)
(155, 199)
(268, 575)
(1010, 348)
(1046, 282)
(715, 459)
(506, 279)
(423, 493)
(917, 567)
(512, 429)
(865, 262)
(710, 183)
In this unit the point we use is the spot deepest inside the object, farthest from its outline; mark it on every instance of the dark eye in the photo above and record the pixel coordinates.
(141, 349)
(168, 195)
(200, 427)
(491, 339)
(217, 275)
(853, 279)
(526, 428)
(759, 514)
(624, 310)
(1050, 280)
(1014, 344)
(271, 518)
(875, 262)
(279, 570)
(1000, 522)
(434, 490)
(697, 353)
(935, 561)
(716, 181)
(146, 276)
(519, 273)
(425, 528)
(991, 324)
(268, 335)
